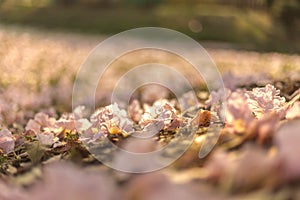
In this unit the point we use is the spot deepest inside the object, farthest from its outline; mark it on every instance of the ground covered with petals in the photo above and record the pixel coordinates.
(44, 143)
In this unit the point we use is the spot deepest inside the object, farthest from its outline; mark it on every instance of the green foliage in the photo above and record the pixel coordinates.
(145, 3)
(247, 27)
(65, 2)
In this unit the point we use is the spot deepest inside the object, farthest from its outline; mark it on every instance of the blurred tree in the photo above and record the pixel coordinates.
(97, 3)
(244, 3)
(1, 2)
(86, 3)
(65, 3)
(288, 12)
(269, 3)
(145, 3)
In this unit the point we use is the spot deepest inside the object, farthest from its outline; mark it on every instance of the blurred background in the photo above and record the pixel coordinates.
(44, 42)
(262, 25)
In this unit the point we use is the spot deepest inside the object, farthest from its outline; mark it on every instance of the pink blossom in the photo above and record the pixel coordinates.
(135, 111)
(47, 138)
(44, 128)
(265, 100)
(73, 121)
(162, 115)
(7, 142)
(44, 119)
(33, 126)
(111, 118)
(237, 108)
(66, 121)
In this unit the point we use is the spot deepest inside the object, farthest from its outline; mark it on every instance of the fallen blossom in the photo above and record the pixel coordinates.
(7, 142)
(67, 122)
(238, 113)
(44, 119)
(240, 119)
(91, 136)
(135, 111)
(74, 121)
(47, 138)
(33, 125)
(82, 125)
(40, 121)
(111, 120)
(161, 116)
(265, 100)
(44, 128)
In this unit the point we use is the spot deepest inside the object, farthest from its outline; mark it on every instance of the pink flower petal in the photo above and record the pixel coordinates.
(33, 126)
(265, 100)
(7, 142)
